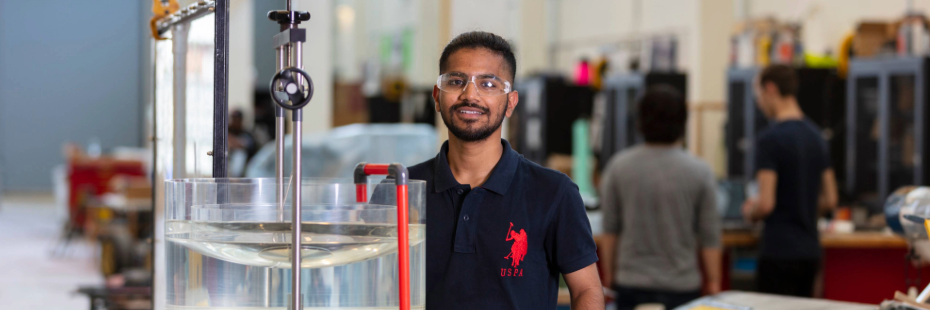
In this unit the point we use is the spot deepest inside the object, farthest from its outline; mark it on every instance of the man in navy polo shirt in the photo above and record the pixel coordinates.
(500, 229)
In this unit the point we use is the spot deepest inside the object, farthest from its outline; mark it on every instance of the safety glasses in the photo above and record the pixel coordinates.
(485, 84)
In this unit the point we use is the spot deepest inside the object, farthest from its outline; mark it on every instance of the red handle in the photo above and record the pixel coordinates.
(399, 173)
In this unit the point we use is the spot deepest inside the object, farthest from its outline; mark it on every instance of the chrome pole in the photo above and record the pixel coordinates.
(298, 51)
(279, 169)
(295, 259)
(280, 123)
(297, 117)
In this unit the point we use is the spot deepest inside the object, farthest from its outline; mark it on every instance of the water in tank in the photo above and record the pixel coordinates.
(228, 243)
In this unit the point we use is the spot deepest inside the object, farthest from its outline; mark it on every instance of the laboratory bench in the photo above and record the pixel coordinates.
(864, 267)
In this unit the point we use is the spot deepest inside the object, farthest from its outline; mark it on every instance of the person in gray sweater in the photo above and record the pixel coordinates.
(659, 209)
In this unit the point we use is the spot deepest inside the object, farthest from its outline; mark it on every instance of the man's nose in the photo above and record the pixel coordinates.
(470, 92)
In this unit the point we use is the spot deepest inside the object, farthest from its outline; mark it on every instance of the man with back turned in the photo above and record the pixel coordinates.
(795, 184)
(659, 212)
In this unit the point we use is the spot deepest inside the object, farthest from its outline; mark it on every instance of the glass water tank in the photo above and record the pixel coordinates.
(228, 243)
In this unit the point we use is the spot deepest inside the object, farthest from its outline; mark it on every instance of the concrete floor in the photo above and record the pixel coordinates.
(29, 277)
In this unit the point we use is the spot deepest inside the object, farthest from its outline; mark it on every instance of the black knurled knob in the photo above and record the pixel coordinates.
(288, 17)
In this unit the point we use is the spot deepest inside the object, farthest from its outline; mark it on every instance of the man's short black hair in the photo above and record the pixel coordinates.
(663, 114)
(480, 39)
(782, 76)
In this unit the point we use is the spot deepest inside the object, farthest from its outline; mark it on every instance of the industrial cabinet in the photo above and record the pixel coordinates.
(542, 122)
(886, 116)
(742, 113)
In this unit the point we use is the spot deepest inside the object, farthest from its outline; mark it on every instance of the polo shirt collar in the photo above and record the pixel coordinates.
(498, 182)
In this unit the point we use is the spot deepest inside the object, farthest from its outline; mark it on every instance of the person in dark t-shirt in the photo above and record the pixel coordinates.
(795, 184)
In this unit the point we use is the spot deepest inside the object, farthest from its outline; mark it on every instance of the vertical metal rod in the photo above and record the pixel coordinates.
(279, 169)
(279, 143)
(884, 101)
(295, 258)
(221, 92)
(851, 101)
(296, 299)
(919, 126)
(279, 162)
(287, 63)
(749, 127)
(298, 57)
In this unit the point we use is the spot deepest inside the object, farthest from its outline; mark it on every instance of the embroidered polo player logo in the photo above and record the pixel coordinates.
(518, 249)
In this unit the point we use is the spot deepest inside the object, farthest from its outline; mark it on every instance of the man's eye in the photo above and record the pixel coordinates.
(455, 82)
(488, 84)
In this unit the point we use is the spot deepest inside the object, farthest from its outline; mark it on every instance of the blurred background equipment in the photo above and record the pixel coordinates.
(885, 133)
(337, 150)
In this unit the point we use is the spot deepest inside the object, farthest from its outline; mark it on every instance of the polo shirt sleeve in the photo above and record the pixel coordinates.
(569, 242)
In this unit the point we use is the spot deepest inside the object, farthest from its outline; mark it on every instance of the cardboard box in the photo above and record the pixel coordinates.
(870, 37)
(349, 106)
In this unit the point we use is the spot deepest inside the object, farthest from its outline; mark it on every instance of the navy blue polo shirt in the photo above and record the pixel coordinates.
(501, 245)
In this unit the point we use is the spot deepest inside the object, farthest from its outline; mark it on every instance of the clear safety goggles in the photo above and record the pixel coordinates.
(485, 84)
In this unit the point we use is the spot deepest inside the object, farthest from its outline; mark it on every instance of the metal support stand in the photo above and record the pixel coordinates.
(291, 89)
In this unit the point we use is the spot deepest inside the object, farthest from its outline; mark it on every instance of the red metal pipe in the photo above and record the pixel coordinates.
(403, 247)
(376, 169)
(361, 192)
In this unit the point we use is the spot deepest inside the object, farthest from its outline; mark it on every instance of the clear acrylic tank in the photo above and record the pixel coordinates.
(228, 243)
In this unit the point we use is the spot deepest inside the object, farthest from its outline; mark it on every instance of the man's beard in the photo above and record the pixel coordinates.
(472, 135)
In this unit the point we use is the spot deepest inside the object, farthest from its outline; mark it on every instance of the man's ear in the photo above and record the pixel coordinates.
(771, 89)
(436, 97)
(512, 99)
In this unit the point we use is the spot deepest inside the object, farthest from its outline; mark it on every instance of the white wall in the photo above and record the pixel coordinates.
(533, 52)
(318, 62)
(428, 44)
(241, 68)
(485, 15)
(707, 81)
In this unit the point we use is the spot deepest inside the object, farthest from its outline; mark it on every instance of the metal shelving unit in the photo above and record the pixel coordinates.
(885, 138)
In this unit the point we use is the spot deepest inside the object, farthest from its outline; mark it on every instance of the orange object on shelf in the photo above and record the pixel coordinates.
(159, 11)
(843, 213)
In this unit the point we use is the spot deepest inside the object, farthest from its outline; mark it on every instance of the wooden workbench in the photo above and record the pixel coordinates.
(862, 240)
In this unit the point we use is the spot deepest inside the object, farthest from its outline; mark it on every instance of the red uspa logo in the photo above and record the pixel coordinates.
(518, 249)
